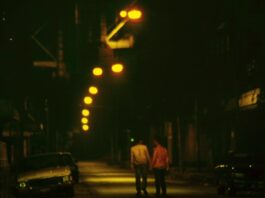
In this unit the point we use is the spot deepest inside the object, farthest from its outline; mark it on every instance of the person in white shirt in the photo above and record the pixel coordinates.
(140, 162)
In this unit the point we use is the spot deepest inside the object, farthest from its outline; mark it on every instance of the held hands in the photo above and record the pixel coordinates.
(132, 167)
(150, 167)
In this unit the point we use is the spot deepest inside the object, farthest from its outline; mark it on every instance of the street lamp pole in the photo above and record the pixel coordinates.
(116, 69)
(106, 52)
(131, 15)
(46, 108)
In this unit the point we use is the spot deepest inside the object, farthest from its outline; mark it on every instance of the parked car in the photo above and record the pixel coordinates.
(45, 173)
(241, 172)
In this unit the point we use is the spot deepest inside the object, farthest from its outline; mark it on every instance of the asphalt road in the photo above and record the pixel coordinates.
(103, 181)
(99, 180)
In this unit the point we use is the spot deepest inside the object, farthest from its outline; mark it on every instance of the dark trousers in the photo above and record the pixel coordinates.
(140, 177)
(160, 180)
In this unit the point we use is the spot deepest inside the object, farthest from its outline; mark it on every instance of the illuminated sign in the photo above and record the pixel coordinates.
(249, 98)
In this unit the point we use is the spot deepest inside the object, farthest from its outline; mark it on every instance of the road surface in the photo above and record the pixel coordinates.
(100, 180)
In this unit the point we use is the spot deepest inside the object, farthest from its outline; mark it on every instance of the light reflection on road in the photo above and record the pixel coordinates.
(107, 180)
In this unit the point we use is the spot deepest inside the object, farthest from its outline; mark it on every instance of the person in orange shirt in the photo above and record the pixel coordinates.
(160, 165)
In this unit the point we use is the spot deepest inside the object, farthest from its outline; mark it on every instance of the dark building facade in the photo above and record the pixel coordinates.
(240, 50)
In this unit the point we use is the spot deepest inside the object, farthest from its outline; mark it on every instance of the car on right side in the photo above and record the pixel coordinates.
(240, 172)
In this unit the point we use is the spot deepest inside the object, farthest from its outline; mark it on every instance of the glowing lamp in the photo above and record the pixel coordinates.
(117, 68)
(85, 127)
(88, 100)
(84, 120)
(93, 90)
(134, 14)
(85, 112)
(97, 71)
(123, 13)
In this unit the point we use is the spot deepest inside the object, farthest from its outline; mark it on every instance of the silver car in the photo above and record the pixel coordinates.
(44, 174)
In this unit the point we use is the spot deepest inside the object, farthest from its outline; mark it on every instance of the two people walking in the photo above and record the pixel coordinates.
(141, 162)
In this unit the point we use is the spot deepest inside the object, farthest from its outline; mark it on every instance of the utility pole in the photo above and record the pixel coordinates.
(179, 146)
(46, 108)
(197, 132)
(77, 38)
(60, 61)
(168, 128)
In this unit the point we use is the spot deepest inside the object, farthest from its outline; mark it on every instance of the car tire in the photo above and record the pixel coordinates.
(221, 186)
(231, 191)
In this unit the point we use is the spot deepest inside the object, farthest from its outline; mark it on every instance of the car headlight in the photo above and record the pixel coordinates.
(67, 179)
(22, 185)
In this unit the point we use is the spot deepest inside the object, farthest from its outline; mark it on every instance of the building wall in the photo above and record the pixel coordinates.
(3, 154)
(243, 30)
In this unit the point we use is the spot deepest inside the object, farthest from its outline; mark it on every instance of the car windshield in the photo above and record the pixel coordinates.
(41, 162)
(68, 160)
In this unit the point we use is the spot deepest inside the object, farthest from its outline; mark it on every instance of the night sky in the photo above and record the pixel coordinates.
(172, 63)
(167, 67)
(171, 31)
